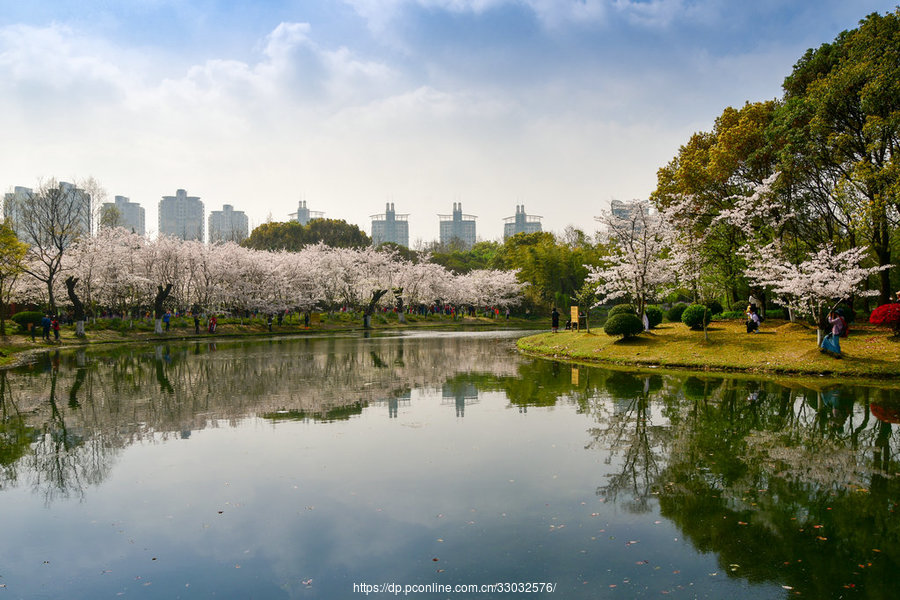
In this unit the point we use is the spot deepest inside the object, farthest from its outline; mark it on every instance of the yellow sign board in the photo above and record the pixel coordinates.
(574, 312)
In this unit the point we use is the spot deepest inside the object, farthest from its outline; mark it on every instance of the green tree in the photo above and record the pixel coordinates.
(482, 255)
(293, 236)
(713, 170)
(12, 258)
(843, 107)
(555, 270)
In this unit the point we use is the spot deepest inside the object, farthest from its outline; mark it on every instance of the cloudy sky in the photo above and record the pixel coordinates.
(560, 105)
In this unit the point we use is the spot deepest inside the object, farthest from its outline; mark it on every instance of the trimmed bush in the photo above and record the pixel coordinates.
(623, 324)
(22, 319)
(620, 309)
(693, 316)
(654, 315)
(674, 314)
(714, 306)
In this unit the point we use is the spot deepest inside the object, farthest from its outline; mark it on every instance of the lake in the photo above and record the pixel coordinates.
(436, 465)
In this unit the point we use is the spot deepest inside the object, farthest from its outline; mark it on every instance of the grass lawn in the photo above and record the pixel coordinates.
(780, 347)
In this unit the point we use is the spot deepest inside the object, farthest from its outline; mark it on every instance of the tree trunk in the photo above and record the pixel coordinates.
(161, 295)
(367, 314)
(77, 305)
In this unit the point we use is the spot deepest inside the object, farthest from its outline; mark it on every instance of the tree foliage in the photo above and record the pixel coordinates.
(292, 236)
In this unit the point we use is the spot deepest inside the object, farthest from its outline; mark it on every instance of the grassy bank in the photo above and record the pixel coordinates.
(16, 345)
(780, 347)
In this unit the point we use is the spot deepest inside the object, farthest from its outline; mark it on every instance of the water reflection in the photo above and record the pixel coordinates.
(787, 484)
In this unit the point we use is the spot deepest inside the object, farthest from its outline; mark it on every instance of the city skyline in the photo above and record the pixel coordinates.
(560, 106)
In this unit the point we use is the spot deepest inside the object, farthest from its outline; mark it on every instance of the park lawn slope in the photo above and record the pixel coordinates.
(780, 347)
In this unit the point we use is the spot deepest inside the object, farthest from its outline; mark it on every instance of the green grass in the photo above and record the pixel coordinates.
(780, 347)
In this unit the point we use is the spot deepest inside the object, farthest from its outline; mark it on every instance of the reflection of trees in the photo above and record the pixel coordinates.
(787, 483)
(630, 437)
(65, 416)
(15, 435)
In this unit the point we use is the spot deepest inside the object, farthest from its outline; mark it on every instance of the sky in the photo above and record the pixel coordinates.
(557, 105)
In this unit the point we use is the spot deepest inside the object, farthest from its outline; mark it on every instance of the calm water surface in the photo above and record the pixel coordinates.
(311, 467)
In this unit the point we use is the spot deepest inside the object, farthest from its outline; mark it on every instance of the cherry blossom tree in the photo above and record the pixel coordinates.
(638, 267)
(816, 284)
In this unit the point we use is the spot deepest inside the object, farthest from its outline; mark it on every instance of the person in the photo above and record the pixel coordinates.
(33, 328)
(554, 320)
(831, 343)
(752, 319)
(45, 327)
(196, 324)
(166, 318)
(269, 322)
(55, 325)
(507, 312)
(213, 321)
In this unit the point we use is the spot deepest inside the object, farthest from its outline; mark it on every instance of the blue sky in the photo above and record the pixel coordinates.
(555, 104)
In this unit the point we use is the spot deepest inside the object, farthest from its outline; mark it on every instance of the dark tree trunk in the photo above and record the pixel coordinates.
(367, 314)
(161, 295)
(77, 305)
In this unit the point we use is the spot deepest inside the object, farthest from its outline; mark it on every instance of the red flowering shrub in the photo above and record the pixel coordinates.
(887, 314)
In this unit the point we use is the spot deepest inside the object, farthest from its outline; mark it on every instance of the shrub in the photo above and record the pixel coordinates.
(619, 309)
(623, 324)
(674, 314)
(888, 315)
(693, 316)
(776, 313)
(714, 306)
(732, 314)
(22, 319)
(654, 315)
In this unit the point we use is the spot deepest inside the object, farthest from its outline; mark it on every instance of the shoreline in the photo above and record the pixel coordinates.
(16, 347)
(783, 350)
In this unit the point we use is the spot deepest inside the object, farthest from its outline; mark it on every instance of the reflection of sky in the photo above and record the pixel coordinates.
(253, 509)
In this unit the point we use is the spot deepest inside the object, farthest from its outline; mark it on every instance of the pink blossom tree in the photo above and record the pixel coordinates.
(816, 284)
(638, 267)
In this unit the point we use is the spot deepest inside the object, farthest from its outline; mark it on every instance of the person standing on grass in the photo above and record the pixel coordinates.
(55, 325)
(831, 343)
(554, 320)
(45, 327)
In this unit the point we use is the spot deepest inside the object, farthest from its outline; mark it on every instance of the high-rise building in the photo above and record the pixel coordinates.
(228, 225)
(390, 227)
(304, 215)
(626, 211)
(181, 216)
(521, 223)
(128, 214)
(70, 205)
(457, 227)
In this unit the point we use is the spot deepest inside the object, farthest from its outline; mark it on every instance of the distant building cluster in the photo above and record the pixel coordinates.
(72, 206)
(184, 217)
